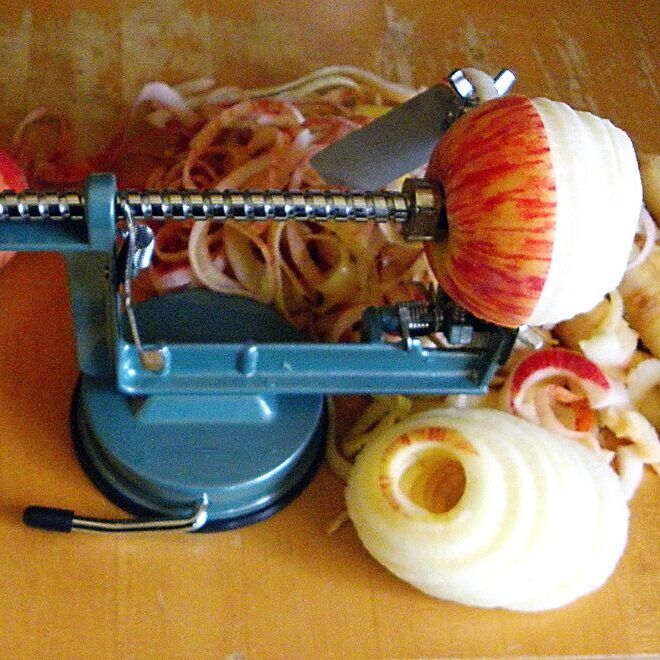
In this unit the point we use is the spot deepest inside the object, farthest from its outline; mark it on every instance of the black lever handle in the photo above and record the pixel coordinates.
(49, 518)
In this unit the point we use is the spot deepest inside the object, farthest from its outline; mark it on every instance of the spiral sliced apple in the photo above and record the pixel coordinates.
(542, 205)
(486, 509)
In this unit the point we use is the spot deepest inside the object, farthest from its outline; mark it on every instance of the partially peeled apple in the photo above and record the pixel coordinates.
(542, 205)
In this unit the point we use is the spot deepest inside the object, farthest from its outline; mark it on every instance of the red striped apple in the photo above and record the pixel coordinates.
(542, 204)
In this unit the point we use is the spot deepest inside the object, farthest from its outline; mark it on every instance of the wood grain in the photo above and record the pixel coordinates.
(598, 55)
(282, 588)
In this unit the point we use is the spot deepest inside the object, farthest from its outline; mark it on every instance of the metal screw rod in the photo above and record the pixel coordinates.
(419, 207)
(35, 206)
(225, 205)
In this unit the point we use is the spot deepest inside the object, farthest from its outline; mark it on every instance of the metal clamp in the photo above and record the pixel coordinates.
(437, 314)
(150, 359)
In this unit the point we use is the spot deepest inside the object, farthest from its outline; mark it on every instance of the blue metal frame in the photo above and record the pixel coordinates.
(308, 367)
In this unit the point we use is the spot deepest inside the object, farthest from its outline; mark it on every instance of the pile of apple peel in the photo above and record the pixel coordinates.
(566, 393)
(486, 509)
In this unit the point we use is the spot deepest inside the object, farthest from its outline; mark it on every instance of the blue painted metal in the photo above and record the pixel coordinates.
(247, 358)
(100, 194)
(162, 462)
(44, 237)
(330, 368)
(93, 321)
(89, 275)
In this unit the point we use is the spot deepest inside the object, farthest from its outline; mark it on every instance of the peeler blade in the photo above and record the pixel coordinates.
(396, 143)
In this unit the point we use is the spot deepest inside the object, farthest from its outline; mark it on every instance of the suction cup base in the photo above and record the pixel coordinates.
(248, 468)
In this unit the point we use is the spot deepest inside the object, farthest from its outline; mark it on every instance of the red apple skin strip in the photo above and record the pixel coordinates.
(546, 370)
(564, 361)
(496, 170)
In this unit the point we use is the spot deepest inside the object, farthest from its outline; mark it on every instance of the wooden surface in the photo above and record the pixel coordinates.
(282, 588)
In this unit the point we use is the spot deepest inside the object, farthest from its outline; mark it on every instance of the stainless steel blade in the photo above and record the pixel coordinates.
(392, 145)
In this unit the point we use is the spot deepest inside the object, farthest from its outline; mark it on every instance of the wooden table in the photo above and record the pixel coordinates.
(282, 588)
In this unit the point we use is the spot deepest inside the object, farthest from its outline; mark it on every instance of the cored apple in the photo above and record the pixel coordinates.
(486, 509)
(542, 205)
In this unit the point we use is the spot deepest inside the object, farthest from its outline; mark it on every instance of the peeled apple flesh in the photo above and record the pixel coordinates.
(486, 509)
(649, 166)
(641, 298)
(542, 205)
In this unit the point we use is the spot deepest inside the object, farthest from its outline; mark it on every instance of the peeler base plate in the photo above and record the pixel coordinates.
(158, 455)
(148, 498)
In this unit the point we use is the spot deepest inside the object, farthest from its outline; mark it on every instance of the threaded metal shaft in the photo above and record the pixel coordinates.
(419, 207)
(226, 205)
(36, 206)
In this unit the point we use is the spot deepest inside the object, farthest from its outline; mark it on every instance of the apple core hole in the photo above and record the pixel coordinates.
(435, 482)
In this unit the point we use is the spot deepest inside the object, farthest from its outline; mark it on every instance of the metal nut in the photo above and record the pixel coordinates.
(425, 210)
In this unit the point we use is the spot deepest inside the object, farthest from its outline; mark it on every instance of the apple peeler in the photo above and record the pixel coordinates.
(203, 411)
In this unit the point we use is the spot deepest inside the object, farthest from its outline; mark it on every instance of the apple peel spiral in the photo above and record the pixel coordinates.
(542, 205)
(486, 509)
